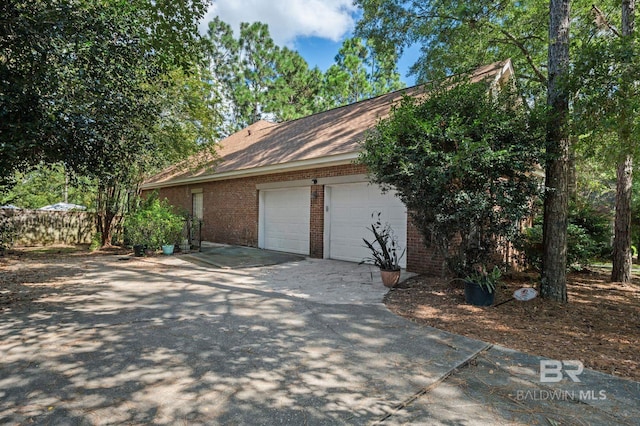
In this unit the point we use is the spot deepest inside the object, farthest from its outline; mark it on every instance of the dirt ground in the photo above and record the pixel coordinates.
(600, 325)
(45, 273)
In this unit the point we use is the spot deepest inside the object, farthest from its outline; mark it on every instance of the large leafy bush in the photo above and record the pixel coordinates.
(589, 236)
(154, 223)
(462, 159)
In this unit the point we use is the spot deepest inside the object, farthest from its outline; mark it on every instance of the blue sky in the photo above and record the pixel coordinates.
(315, 28)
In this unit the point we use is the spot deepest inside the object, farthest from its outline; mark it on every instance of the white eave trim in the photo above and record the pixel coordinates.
(334, 160)
(505, 73)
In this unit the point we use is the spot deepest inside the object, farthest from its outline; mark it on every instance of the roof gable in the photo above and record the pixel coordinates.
(268, 147)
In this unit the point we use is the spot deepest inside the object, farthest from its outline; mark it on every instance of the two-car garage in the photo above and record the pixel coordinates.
(285, 218)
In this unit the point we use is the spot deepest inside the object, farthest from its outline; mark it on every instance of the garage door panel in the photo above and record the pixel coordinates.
(286, 218)
(351, 207)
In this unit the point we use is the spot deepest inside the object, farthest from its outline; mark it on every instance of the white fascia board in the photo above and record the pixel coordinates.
(334, 160)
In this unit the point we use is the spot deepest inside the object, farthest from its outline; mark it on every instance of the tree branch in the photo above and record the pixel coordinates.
(511, 39)
(602, 21)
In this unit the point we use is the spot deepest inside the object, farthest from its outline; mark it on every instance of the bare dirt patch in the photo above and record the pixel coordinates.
(600, 326)
(29, 273)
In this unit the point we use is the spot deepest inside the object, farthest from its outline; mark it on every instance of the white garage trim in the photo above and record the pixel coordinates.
(284, 220)
(348, 209)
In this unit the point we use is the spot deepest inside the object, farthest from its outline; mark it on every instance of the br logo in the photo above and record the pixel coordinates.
(552, 371)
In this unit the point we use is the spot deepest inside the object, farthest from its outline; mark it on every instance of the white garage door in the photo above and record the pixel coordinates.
(285, 220)
(350, 207)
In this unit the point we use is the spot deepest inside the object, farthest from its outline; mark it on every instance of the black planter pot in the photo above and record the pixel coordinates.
(476, 295)
(138, 250)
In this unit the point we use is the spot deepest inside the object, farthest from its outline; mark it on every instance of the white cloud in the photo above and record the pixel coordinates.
(288, 19)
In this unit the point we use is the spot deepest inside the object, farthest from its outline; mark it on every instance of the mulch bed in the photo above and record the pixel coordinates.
(600, 325)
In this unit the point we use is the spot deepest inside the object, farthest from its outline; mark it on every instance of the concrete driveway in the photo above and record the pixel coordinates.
(164, 341)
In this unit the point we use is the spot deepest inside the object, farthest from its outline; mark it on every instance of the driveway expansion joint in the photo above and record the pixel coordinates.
(425, 390)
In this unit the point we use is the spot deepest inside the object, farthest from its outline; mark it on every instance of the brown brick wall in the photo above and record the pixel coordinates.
(316, 240)
(231, 212)
(231, 206)
(422, 259)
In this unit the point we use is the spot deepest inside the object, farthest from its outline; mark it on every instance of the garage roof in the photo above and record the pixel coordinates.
(328, 138)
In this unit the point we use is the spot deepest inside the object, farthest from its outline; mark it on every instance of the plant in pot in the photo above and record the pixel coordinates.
(480, 285)
(138, 230)
(170, 228)
(384, 250)
(153, 225)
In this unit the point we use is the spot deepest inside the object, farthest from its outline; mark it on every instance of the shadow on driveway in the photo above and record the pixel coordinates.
(162, 341)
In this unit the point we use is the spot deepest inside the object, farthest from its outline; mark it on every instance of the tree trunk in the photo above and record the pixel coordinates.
(628, 17)
(556, 206)
(621, 271)
(106, 207)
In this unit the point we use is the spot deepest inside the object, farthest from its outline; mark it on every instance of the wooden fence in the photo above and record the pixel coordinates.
(39, 227)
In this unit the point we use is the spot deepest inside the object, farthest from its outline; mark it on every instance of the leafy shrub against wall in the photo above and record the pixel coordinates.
(462, 159)
(154, 223)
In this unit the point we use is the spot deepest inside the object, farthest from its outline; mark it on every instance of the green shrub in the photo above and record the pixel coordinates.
(588, 238)
(154, 224)
(96, 241)
(462, 161)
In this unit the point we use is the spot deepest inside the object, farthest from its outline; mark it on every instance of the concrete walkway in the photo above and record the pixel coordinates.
(164, 341)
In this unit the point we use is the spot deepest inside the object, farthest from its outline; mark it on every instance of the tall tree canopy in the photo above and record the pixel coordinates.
(258, 79)
(606, 112)
(457, 36)
(359, 73)
(87, 83)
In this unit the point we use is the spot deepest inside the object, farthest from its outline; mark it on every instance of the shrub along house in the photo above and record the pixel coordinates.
(295, 186)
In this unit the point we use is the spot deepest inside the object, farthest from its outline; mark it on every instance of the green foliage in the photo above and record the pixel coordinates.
(588, 238)
(113, 89)
(45, 185)
(154, 224)
(349, 79)
(258, 79)
(607, 102)
(461, 160)
(485, 279)
(96, 241)
(456, 37)
(635, 209)
(76, 78)
(384, 247)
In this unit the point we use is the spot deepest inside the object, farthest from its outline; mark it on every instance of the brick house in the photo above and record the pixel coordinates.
(295, 187)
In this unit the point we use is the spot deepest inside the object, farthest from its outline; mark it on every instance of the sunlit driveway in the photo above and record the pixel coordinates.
(164, 341)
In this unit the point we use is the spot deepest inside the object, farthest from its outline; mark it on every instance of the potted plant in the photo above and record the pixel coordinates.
(154, 225)
(138, 230)
(480, 286)
(169, 231)
(384, 250)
